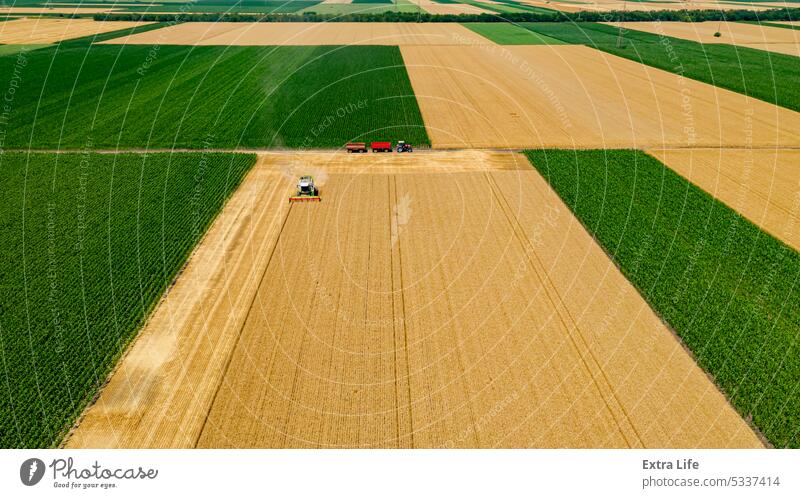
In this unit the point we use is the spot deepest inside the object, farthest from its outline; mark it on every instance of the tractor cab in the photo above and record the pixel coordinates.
(306, 186)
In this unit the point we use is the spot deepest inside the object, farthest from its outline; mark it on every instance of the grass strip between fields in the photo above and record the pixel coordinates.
(137, 96)
(90, 242)
(729, 290)
(510, 34)
(768, 76)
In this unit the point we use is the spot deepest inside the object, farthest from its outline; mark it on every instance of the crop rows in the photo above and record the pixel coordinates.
(510, 34)
(768, 76)
(89, 242)
(207, 97)
(727, 288)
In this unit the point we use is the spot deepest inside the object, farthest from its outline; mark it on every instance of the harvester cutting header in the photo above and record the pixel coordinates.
(306, 191)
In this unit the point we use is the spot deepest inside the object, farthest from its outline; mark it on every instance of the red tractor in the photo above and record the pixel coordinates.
(404, 147)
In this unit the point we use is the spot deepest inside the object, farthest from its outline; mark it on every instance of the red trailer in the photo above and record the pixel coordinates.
(381, 146)
(356, 147)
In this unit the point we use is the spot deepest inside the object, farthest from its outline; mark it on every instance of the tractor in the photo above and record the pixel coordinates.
(306, 191)
(404, 147)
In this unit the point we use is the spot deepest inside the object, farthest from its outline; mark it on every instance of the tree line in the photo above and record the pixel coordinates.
(785, 14)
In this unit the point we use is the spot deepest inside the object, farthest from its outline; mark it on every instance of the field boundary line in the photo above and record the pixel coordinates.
(241, 329)
(417, 150)
(393, 180)
(561, 309)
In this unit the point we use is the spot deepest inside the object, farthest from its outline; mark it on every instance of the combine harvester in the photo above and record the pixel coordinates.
(306, 191)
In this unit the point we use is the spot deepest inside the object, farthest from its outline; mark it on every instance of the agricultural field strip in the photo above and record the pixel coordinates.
(433, 7)
(58, 10)
(298, 377)
(740, 69)
(540, 96)
(360, 8)
(760, 184)
(270, 397)
(756, 36)
(510, 34)
(213, 294)
(269, 34)
(162, 388)
(218, 97)
(43, 31)
(84, 267)
(660, 389)
(122, 417)
(680, 6)
(701, 273)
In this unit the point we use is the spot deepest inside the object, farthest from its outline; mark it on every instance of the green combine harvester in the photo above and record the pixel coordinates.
(306, 191)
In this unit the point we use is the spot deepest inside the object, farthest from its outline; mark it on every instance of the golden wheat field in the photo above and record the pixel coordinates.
(423, 303)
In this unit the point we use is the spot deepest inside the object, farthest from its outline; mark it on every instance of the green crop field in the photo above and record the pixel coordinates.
(362, 8)
(13, 49)
(509, 34)
(768, 76)
(210, 97)
(507, 6)
(89, 242)
(728, 289)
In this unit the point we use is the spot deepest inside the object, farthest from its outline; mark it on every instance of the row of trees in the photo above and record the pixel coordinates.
(555, 16)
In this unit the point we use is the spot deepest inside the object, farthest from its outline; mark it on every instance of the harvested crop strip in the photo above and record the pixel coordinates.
(211, 97)
(90, 243)
(43, 31)
(728, 289)
(768, 76)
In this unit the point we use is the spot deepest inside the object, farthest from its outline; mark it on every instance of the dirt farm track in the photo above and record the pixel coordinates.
(438, 299)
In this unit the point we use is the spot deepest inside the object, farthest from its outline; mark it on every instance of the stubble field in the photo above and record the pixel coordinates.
(43, 31)
(574, 96)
